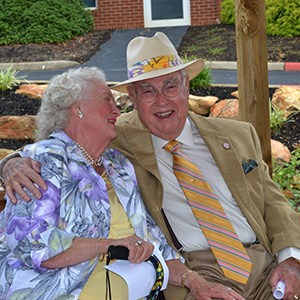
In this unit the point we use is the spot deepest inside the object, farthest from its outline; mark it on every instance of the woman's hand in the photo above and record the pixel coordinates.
(83, 249)
(139, 249)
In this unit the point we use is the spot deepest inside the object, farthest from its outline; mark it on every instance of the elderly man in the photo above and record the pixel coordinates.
(204, 182)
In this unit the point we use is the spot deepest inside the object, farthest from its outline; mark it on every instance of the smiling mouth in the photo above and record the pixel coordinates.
(112, 121)
(164, 115)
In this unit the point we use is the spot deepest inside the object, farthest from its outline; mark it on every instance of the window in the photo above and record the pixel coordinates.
(90, 3)
(167, 9)
(162, 13)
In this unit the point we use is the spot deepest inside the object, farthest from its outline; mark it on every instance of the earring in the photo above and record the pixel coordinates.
(80, 114)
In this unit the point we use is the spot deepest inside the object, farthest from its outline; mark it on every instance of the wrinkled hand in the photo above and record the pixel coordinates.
(289, 272)
(202, 289)
(22, 172)
(139, 249)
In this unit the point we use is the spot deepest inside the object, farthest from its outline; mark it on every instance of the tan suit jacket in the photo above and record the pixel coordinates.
(267, 211)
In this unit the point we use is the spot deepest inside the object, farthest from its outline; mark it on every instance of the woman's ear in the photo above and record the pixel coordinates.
(76, 111)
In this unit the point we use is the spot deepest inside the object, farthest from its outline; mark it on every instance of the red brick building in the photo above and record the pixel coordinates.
(121, 14)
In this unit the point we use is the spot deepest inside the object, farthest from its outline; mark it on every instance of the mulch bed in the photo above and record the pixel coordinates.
(17, 104)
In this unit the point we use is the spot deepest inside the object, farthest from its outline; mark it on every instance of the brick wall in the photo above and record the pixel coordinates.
(205, 12)
(119, 14)
(113, 14)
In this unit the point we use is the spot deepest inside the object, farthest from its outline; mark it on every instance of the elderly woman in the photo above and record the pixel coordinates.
(50, 247)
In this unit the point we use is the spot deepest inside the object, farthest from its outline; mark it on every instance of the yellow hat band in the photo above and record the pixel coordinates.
(154, 63)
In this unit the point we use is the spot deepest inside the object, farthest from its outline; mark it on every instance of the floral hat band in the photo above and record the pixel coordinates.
(150, 57)
(154, 63)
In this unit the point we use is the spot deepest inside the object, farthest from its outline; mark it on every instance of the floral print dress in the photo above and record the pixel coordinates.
(75, 204)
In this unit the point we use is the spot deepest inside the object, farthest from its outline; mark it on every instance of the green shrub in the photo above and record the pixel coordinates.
(9, 79)
(51, 21)
(203, 79)
(287, 176)
(227, 12)
(277, 119)
(282, 16)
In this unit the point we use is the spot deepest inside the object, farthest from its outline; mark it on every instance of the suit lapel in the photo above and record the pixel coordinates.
(142, 150)
(142, 147)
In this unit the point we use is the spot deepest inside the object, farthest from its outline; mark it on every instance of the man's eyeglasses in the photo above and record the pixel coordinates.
(149, 93)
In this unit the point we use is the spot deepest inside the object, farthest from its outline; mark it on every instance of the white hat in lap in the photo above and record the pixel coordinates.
(149, 57)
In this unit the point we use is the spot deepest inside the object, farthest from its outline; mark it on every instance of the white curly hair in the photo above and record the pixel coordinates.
(62, 92)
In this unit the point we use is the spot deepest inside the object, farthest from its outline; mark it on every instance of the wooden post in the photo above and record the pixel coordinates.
(252, 70)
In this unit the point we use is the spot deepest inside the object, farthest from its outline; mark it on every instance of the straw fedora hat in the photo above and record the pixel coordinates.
(150, 57)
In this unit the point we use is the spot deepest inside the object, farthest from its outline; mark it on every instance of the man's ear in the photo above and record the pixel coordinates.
(187, 84)
(187, 81)
(132, 94)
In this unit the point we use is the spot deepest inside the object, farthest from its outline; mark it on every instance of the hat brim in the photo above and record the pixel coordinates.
(192, 68)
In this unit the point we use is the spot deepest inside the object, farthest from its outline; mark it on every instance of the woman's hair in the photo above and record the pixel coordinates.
(62, 92)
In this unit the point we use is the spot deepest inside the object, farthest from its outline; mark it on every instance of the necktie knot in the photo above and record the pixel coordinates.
(172, 146)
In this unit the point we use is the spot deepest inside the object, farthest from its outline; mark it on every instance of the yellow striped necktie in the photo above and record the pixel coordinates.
(230, 253)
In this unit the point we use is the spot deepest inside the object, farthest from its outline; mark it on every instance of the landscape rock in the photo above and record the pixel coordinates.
(34, 91)
(228, 108)
(287, 98)
(2, 201)
(235, 94)
(280, 152)
(123, 101)
(5, 152)
(201, 105)
(17, 127)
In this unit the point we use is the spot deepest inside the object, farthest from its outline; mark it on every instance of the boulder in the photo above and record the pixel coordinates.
(2, 201)
(235, 94)
(123, 101)
(280, 152)
(34, 91)
(5, 152)
(17, 127)
(287, 98)
(201, 105)
(228, 108)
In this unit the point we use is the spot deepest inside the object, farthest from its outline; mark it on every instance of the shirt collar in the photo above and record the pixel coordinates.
(185, 137)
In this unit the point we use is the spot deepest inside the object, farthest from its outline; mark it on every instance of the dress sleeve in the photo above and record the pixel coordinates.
(34, 232)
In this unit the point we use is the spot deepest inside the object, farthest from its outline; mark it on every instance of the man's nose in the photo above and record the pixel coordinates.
(160, 97)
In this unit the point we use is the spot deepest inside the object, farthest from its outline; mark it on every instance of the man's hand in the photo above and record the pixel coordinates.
(199, 287)
(289, 272)
(22, 172)
(202, 289)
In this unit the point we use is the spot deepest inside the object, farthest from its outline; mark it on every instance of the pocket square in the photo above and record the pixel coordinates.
(249, 166)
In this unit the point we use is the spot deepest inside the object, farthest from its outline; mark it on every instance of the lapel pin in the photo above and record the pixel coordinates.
(226, 146)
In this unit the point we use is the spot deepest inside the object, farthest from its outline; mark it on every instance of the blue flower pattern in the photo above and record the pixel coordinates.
(75, 204)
